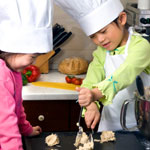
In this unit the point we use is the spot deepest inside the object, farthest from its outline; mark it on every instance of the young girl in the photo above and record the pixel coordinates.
(13, 121)
(121, 55)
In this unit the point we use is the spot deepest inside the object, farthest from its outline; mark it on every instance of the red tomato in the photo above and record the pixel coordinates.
(77, 81)
(73, 80)
(68, 79)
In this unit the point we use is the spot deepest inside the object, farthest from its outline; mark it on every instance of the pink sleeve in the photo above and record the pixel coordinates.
(10, 137)
(24, 125)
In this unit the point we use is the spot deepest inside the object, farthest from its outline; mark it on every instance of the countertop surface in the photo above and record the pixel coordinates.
(124, 141)
(31, 92)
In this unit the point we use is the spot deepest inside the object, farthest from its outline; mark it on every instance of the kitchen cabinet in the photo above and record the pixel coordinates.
(53, 115)
(51, 108)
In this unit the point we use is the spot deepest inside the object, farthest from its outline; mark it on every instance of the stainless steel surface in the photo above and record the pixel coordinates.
(139, 18)
(142, 115)
(91, 136)
(80, 115)
(80, 128)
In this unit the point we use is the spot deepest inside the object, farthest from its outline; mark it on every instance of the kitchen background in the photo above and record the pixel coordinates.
(78, 44)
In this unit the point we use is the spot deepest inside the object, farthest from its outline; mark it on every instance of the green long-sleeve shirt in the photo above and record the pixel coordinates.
(137, 61)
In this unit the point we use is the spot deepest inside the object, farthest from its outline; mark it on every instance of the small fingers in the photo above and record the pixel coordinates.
(37, 129)
(95, 121)
(88, 119)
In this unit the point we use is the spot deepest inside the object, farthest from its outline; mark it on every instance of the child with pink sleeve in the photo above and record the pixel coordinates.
(25, 32)
(13, 121)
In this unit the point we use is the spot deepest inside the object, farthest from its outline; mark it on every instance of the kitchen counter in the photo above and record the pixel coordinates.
(31, 92)
(124, 141)
(51, 108)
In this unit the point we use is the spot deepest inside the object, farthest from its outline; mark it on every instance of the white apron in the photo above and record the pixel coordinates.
(110, 117)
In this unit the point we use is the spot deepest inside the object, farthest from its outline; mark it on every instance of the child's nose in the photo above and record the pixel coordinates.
(100, 38)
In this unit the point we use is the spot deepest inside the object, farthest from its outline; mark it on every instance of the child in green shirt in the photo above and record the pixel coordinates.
(121, 55)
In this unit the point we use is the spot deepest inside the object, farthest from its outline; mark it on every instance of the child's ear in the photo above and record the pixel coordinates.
(122, 19)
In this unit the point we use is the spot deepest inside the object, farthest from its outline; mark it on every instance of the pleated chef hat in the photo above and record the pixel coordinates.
(26, 26)
(92, 15)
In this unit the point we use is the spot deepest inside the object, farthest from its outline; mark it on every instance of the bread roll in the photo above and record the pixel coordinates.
(73, 66)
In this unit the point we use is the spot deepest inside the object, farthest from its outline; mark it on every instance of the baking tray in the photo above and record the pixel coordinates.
(124, 141)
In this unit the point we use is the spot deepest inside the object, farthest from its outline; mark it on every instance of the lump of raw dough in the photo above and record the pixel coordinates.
(52, 140)
(83, 139)
(86, 146)
(79, 136)
(107, 136)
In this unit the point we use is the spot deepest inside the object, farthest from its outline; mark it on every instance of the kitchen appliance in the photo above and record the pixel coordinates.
(144, 4)
(142, 115)
(138, 16)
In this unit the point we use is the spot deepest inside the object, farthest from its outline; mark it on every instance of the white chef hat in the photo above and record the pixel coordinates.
(26, 26)
(92, 15)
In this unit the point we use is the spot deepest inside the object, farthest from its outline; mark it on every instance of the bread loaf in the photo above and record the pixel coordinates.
(73, 66)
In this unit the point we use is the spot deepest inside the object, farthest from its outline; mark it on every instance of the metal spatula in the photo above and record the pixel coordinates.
(91, 136)
(91, 140)
(79, 134)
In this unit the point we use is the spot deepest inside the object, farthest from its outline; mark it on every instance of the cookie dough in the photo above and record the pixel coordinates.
(86, 146)
(79, 136)
(107, 136)
(83, 141)
(52, 140)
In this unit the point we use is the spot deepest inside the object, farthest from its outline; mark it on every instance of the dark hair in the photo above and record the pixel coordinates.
(116, 22)
(4, 55)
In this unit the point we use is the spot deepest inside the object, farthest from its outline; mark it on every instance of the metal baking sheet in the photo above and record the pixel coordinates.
(124, 141)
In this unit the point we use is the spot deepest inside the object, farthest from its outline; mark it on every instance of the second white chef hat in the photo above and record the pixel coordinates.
(92, 15)
(26, 26)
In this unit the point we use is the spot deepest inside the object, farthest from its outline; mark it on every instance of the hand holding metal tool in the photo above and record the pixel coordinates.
(79, 134)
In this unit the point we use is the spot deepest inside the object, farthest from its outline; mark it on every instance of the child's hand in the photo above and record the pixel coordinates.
(92, 116)
(36, 131)
(85, 96)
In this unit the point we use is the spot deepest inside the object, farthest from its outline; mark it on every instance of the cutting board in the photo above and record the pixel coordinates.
(58, 85)
(124, 141)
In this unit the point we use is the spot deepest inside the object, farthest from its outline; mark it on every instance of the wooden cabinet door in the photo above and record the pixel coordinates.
(54, 115)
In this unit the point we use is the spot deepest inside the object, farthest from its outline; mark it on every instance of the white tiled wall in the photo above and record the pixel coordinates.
(78, 44)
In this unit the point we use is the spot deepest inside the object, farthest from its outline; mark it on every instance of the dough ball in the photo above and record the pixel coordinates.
(52, 140)
(84, 138)
(86, 146)
(107, 136)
